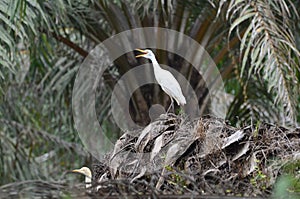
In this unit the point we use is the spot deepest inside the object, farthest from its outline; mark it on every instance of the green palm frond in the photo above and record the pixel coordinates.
(34, 131)
(24, 22)
(252, 103)
(43, 44)
(268, 46)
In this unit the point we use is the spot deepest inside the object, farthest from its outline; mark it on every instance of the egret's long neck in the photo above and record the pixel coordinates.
(155, 64)
(88, 182)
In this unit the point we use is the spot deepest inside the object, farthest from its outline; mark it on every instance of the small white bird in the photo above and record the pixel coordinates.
(165, 79)
(88, 175)
(88, 178)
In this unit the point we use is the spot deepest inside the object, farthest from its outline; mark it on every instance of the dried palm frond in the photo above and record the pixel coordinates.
(202, 156)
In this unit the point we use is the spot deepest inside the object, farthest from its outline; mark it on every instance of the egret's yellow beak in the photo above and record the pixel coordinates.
(142, 51)
(77, 171)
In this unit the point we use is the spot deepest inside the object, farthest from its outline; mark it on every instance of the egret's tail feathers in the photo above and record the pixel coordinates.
(181, 101)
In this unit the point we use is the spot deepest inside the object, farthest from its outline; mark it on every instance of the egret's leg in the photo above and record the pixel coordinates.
(171, 105)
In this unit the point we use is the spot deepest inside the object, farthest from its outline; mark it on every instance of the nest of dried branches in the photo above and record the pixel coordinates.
(175, 155)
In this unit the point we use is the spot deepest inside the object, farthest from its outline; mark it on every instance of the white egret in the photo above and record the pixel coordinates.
(88, 175)
(165, 79)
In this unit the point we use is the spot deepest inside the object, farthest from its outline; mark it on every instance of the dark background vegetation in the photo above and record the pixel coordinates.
(255, 45)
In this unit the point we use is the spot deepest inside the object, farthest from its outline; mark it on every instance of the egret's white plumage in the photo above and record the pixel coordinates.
(165, 79)
(88, 175)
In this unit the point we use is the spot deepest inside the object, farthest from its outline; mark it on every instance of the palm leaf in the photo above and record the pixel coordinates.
(268, 47)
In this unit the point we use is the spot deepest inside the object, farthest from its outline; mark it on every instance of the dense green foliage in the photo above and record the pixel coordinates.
(255, 45)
